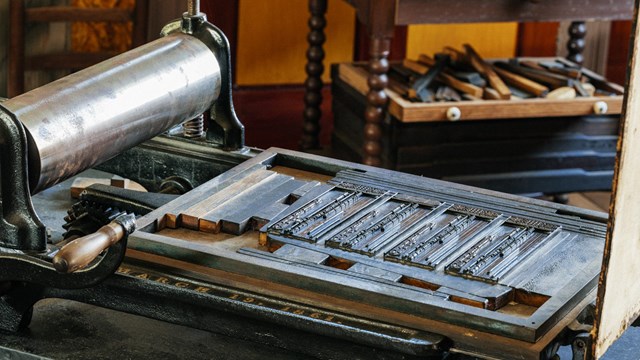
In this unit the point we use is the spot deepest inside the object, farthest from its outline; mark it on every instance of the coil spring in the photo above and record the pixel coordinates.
(194, 128)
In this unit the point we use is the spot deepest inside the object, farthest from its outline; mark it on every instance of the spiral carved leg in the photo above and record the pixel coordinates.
(376, 101)
(575, 45)
(315, 68)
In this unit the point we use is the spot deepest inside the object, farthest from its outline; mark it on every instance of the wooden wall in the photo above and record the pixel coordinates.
(270, 44)
(272, 40)
(270, 54)
(4, 28)
(43, 38)
(101, 36)
(491, 40)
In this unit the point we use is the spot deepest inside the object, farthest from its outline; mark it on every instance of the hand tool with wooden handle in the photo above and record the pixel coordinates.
(79, 253)
(487, 71)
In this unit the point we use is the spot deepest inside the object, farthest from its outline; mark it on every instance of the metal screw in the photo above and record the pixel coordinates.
(193, 7)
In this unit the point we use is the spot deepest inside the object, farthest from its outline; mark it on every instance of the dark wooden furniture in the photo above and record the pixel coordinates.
(528, 151)
(381, 16)
(20, 16)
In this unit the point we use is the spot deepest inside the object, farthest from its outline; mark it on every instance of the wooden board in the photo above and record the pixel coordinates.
(619, 289)
(489, 39)
(272, 40)
(463, 11)
(190, 218)
(407, 111)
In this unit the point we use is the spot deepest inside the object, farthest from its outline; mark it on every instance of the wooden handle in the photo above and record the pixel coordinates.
(485, 69)
(522, 82)
(81, 252)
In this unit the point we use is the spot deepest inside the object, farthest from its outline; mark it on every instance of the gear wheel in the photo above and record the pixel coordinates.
(100, 204)
(86, 217)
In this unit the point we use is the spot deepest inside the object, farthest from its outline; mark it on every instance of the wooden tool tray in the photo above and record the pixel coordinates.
(509, 151)
(406, 111)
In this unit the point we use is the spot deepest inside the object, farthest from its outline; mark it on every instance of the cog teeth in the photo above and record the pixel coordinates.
(87, 212)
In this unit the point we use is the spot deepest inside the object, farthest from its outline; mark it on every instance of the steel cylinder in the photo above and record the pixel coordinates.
(90, 116)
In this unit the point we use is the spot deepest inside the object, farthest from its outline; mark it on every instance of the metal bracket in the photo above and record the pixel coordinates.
(224, 129)
(581, 345)
(20, 227)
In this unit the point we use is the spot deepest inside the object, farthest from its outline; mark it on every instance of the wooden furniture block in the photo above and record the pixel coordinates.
(190, 218)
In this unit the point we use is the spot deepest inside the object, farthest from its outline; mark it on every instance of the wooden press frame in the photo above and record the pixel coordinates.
(618, 302)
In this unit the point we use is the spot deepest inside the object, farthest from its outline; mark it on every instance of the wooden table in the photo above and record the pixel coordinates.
(380, 17)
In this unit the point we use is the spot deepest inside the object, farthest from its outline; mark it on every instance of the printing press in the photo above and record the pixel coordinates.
(327, 258)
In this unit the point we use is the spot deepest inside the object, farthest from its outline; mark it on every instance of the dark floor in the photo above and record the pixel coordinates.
(107, 334)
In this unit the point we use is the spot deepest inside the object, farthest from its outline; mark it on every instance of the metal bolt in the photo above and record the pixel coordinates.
(193, 7)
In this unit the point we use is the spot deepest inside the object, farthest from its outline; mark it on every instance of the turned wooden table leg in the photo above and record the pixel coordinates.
(575, 45)
(376, 101)
(15, 55)
(315, 67)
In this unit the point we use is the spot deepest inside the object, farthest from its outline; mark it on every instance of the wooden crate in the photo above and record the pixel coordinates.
(525, 146)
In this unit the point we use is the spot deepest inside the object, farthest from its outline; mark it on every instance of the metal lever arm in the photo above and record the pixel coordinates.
(79, 253)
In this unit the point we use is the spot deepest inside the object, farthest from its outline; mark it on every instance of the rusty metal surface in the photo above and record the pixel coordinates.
(91, 116)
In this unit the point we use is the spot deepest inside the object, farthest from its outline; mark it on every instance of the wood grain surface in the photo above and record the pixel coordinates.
(619, 289)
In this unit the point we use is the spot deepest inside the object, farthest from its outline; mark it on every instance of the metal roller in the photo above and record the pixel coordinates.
(88, 117)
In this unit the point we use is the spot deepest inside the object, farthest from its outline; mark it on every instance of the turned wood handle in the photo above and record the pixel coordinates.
(81, 252)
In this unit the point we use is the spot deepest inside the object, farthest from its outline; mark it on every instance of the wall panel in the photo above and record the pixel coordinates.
(491, 40)
(272, 40)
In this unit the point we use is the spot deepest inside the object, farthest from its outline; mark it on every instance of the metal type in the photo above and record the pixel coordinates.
(335, 224)
(383, 226)
(88, 117)
(336, 205)
(402, 183)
